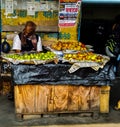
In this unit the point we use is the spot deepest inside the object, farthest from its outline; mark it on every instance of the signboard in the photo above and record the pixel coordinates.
(68, 13)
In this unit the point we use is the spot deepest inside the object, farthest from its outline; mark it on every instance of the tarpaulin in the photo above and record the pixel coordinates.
(58, 74)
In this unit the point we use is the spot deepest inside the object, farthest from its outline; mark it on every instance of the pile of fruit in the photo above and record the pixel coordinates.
(31, 56)
(60, 46)
(87, 57)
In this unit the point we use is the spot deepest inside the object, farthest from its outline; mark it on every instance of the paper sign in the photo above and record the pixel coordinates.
(52, 5)
(43, 6)
(37, 6)
(30, 8)
(8, 6)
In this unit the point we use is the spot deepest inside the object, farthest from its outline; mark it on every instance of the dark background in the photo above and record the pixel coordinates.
(96, 24)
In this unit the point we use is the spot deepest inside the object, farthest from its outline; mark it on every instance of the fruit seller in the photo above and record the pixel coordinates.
(27, 40)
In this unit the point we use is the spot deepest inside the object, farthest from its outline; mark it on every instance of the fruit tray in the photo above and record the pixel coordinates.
(88, 63)
(29, 59)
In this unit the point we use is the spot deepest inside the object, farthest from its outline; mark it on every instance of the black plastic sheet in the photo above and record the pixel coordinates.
(55, 74)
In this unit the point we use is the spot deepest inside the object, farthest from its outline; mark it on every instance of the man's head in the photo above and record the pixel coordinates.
(30, 27)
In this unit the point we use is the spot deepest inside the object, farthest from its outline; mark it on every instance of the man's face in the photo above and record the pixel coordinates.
(29, 29)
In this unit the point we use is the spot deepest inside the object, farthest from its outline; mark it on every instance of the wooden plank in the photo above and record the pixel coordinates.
(73, 98)
(24, 98)
(21, 27)
(84, 98)
(41, 98)
(51, 99)
(95, 97)
(25, 117)
(60, 98)
(47, 28)
(104, 99)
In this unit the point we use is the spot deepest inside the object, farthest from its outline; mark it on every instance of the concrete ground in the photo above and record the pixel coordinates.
(112, 119)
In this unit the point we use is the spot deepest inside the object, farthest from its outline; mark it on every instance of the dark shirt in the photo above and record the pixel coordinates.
(29, 45)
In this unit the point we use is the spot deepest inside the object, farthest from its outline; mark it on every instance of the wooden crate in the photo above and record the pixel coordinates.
(45, 99)
(5, 85)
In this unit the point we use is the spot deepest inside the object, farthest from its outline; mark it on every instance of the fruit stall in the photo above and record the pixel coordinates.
(48, 83)
(69, 77)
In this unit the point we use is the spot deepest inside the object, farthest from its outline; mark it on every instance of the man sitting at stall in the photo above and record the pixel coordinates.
(27, 40)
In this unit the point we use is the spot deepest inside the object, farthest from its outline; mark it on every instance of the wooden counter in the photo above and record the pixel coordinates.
(51, 89)
(50, 99)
